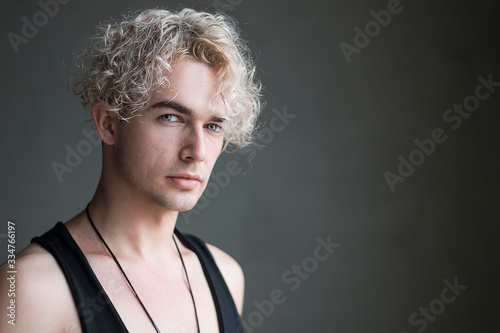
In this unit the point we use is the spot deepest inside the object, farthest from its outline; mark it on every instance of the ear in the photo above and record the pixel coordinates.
(106, 122)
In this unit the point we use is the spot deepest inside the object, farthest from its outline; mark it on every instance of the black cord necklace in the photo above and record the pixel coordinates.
(130, 284)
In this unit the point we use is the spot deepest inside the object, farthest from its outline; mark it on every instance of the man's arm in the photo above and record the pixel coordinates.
(232, 273)
(43, 301)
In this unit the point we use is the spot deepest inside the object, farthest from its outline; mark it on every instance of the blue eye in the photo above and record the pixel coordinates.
(215, 128)
(170, 118)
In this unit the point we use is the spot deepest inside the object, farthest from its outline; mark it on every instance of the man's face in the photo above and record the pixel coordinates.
(166, 155)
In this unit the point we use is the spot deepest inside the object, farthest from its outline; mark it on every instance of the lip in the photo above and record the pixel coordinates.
(185, 181)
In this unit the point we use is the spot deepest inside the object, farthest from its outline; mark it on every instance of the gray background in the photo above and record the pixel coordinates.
(322, 175)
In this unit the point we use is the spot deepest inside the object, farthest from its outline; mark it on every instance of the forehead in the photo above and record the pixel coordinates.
(193, 85)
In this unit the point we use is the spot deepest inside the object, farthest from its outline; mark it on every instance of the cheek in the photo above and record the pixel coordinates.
(214, 145)
(139, 151)
(217, 142)
(213, 155)
(155, 155)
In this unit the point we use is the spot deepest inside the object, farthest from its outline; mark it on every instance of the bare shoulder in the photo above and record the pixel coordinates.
(39, 296)
(232, 273)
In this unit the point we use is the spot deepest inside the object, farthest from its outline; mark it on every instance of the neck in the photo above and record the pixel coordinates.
(134, 227)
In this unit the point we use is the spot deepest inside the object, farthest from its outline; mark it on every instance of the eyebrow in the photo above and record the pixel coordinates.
(182, 109)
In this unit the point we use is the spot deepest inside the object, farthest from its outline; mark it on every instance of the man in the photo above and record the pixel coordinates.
(168, 92)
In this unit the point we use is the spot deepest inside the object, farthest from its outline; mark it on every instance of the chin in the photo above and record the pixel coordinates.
(176, 204)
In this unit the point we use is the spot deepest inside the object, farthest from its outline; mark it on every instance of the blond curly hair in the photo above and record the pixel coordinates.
(127, 60)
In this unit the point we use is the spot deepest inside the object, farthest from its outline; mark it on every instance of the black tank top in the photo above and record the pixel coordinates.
(97, 313)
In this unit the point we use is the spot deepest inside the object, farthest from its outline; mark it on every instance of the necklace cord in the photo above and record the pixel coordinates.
(121, 269)
(130, 284)
(189, 284)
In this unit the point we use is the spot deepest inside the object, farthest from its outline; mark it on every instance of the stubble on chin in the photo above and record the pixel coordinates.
(179, 202)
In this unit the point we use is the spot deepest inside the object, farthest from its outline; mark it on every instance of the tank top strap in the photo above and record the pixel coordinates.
(97, 313)
(227, 314)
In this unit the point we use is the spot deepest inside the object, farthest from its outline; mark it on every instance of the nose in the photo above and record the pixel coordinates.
(193, 146)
